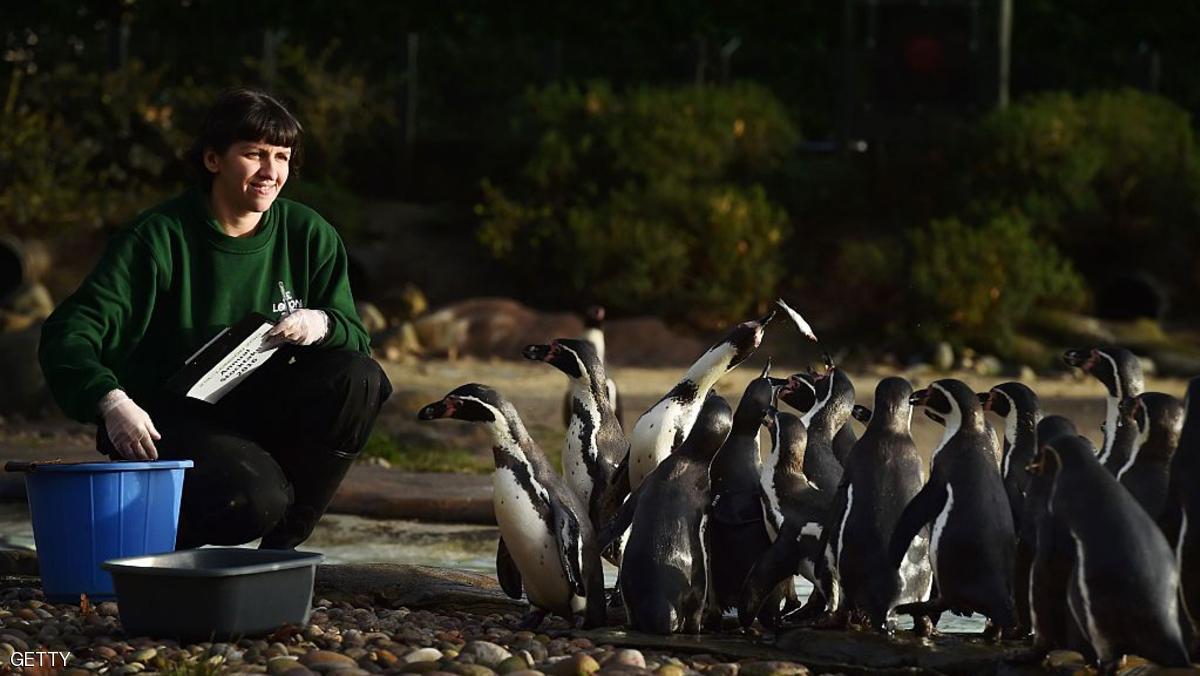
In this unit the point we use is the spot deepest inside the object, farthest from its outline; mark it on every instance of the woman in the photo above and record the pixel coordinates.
(270, 454)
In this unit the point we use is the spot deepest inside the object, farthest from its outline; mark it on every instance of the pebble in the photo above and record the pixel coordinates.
(326, 660)
(626, 658)
(514, 663)
(144, 655)
(423, 655)
(579, 664)
(484, 652)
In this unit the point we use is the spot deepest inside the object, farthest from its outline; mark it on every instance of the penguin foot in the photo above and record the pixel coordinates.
(533, 620)
(839, 619)
(993, 633)
(924, 626)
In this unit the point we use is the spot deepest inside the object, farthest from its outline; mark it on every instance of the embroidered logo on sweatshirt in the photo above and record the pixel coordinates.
(289, 302)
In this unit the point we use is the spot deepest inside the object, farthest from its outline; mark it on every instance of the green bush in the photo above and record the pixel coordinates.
(974, 285)
(647, 201)
(81, 149)
(1110, 175)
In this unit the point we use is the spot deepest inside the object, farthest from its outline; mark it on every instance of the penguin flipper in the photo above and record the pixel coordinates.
(570, 549)
(616, 490)
(620, 522)
(507, 572)
(922, 509)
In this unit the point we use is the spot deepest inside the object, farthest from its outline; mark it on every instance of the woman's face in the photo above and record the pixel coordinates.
(248, 176)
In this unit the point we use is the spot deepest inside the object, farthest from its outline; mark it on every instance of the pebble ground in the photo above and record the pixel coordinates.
(346, 638)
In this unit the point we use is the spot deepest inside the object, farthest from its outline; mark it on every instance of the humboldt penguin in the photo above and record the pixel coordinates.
(593, 332)
(801, 396)
(1019, 407)
(662, 428)
(738, 531)
(595, 444)
(1181, 518)
(972, 538)
(1123, 590)
(1158, 419)
(1053, 554)
(826, 400)
(795, 512)
(665, 575)
(1121, 374)
(883, 473)
(547, 539)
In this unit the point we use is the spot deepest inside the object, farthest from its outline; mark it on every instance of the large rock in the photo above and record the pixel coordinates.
(396, 584)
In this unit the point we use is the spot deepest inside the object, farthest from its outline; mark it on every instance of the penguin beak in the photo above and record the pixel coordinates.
(919, 397)
(538, 352)
(439, 409)
(766, 319)
(985, 400)
(861, 413)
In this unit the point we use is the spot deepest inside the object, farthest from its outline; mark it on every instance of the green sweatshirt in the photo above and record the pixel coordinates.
(172, 280)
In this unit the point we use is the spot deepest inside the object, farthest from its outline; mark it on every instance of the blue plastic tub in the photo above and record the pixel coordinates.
(86, 513)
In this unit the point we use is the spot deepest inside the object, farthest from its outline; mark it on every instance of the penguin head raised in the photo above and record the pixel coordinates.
(1116, 368)
(472, 402)
(575, 358)
(1159, 421)
(758, 396)
(744, 338)
(893, 406)
(951, 403)
(710, 430)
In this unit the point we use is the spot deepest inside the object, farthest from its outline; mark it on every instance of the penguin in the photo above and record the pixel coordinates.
(1053, 554)
(665, 573)
(794, 510)
(1158, 419)
(972, 538)
(593, 332)
(1121, 374)
(805, 400)
(595, 444)
(832, 398)
(1181, 518)
(738, 530)
(1123, 590)
(1019, 407)
(547, 540)
(883, 473)
(666, 424)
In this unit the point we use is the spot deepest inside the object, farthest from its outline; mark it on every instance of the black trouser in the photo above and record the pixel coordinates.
(270, 455)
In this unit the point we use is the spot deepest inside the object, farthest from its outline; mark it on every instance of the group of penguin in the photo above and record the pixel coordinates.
(1086, 549)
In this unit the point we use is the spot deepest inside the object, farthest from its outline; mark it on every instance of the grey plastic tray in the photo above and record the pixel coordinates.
(214, 593)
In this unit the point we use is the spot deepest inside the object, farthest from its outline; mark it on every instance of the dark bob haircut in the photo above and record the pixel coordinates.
(245, 115)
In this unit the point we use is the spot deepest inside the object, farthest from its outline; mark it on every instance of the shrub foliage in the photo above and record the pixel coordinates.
(645, 201)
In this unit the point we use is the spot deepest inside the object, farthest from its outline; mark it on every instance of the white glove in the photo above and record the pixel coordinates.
(302, 327)
(129, 427)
